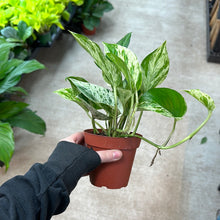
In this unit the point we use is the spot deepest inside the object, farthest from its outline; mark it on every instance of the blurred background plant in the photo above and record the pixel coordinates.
(14, 113)
(91, 12)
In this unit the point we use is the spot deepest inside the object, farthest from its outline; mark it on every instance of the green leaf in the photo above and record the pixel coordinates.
(125, 41)
(121, 65)
(110, 73)
(100, 9)
(78, 2)
(75, 91)
(8, 66)
(66, 15)
(204, 140)
(97, 94)
(164, 101)
(2, 40)
(27, 119)
(124, 95)
(24, 32)
(14, 76)
(130, 60)
(10, 108)
(91, 22)
(202, 97)
(17, 89)
(6, 143)
(92, 107)
(87, 104)
(68, 94)
(156, 67)
(4, 51)
(10, 32)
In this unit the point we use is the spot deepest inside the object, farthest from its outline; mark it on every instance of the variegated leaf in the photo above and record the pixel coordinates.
(164, 101)
(130, 60)
(155, 67)
(110, 73)
(202, 97)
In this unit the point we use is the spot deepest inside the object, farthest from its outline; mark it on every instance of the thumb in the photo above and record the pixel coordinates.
(109, 155)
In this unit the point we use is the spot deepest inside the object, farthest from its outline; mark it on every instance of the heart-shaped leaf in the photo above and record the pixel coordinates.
(156, 67)
(165, 101)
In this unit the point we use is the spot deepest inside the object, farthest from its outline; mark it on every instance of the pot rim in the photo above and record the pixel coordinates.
(91, 129)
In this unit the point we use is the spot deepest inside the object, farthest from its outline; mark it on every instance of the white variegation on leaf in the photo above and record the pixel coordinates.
(130, 60)
(202, 97)
(155, 67)
(110, 72)
(97, 94)
(133, 88)
(165, 101)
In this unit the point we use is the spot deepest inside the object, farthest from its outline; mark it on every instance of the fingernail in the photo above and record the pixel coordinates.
(117, 155)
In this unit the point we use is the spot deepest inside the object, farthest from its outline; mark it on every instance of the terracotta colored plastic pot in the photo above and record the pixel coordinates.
(87, 31)
(112, 175)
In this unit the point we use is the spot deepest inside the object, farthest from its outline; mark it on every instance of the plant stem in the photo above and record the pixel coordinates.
(129, 118)
(178, 143)
(121, 122)
(165, 143)
(138, 122)
(94, 127)
(171, 133)
(116, 110)
(146, 140)
(95, 122)
(132, 114)
(152, 161)
(189, 136)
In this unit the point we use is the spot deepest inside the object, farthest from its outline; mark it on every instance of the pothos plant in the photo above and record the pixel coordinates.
(133, 89)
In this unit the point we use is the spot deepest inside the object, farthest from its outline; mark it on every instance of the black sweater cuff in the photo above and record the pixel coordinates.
(71, 161)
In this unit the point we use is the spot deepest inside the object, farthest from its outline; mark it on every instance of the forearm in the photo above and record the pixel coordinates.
(37, 195)
(44, 190)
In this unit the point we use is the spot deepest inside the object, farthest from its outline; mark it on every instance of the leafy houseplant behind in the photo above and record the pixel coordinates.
(14, 113)
(44, 16)
(20, 36)
(90, 13)
(133, 89)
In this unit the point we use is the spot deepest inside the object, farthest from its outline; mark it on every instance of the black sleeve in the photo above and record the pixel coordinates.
(44, 190)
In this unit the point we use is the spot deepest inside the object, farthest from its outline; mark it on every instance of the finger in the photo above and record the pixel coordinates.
(77, 138)
(108, 156)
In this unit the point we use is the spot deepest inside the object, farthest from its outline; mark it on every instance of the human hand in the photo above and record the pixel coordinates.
(106, 155)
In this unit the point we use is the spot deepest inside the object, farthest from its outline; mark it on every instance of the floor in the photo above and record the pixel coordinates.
(182, 184)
